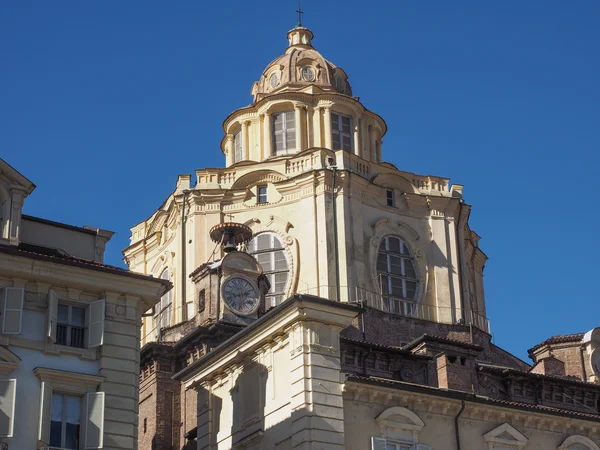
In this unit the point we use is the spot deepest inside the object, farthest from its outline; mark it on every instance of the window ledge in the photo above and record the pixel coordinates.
(82, 353)
(68, 382)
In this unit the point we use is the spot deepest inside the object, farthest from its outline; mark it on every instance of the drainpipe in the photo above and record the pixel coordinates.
(462, 408)
(335, 230)
(460, 256)
(183, 270)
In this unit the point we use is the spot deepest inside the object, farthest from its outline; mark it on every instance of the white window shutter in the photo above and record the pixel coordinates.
(96, 328)
(45, 405)
(378, 443)
(94, 420)
(8, 390)
(12, 315)
(52, 314)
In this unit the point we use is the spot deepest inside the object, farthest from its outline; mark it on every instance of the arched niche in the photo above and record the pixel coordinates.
(577, 442)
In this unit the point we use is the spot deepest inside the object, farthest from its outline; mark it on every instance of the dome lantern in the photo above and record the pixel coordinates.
(299, 68)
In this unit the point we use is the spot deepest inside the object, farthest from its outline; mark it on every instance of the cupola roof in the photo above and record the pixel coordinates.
(299, 67)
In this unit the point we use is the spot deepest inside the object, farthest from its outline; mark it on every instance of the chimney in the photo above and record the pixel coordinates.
(549, 366)
(455, 373)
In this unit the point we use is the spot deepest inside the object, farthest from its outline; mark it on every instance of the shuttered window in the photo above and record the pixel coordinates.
(70, 329)
(268, 250)
(397, 275)
(63, 415)
(8, 390)
(237, 147)
(12, 316)
(163, 316)
(284, 133)
(341, 132)
(65, 421)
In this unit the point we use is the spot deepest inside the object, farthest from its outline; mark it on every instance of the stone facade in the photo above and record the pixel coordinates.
(69, 342)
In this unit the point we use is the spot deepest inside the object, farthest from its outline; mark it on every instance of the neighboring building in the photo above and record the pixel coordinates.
(383, 341)
(70, 327)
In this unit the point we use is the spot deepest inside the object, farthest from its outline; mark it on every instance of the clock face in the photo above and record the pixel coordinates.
(240, 296)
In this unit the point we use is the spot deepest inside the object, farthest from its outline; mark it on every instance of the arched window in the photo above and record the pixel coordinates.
(396, 275)
(268, 251)
(163, 318)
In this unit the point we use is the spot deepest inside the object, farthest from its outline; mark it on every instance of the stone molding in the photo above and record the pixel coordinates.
(69, 382)
(578, 441)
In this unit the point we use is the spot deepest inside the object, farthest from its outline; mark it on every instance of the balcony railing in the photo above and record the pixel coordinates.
(401, 307)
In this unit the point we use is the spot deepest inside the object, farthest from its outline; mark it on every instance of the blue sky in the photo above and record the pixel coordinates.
(103, 103)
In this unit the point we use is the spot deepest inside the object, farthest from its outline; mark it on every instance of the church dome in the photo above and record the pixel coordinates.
(299, 67)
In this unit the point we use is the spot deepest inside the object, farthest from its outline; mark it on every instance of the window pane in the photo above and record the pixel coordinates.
(266, 261)
(347, 144)
(63, 314)
(336, 141)
(280, 261)
(77, 316)
(385, 284)
(290, 143)
(409, 270)
(346, 124)
(394, 245)
(396, 265)
(335, 121)
(411, 289)
(280, 280)
(263, 241)
(72, 436)
(55, 434)
(290, 120)
(278, 121)
(77, 335)
(61, 334)
(397, 287)
(73, 405)
(56, 407)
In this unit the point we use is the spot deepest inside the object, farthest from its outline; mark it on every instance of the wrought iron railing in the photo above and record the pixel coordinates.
(401, 307)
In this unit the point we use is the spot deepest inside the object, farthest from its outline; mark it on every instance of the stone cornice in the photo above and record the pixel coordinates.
(299, 308)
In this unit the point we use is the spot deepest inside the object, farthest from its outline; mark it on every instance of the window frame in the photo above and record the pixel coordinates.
(284, 132)
(64, 421)
(339, 131)
(262, 197)
(69, 325)
(390, 197)
(238, 147)
(273, 295)
(406, 305)
(159, 317)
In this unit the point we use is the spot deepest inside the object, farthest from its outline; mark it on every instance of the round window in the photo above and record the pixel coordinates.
(308, 73)
(274, 80)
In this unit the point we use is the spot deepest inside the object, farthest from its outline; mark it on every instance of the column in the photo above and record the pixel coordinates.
(245, 143)
(229, 150)
(357, 151)
(267, 136)
(327, 127)
(299, 135)
(260, 136)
